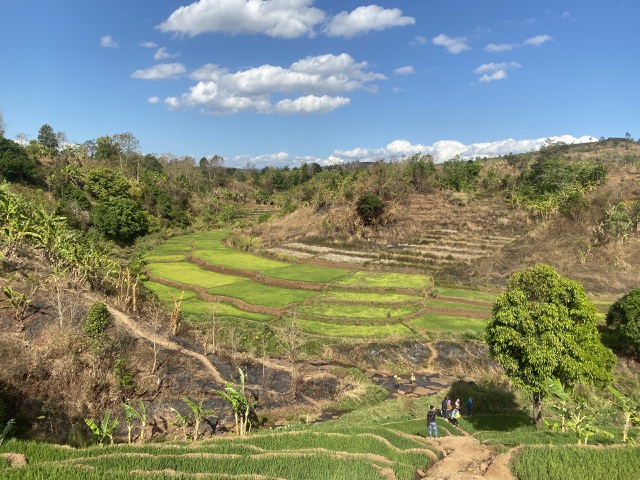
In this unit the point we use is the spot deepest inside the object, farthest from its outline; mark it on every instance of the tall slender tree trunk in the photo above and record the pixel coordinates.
(537, 409)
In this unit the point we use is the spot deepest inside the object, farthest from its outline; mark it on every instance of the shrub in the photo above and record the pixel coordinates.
(370, 208)
(120, 218)
(98, 319)
(624, 316)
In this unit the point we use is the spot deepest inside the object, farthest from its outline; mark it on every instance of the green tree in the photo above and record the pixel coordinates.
(460, 175)
(544, 327)
(48, 139)
(624, 316)
(107, 148)
(105, 182)
(15, 163)
(369, 208)
(3, 128)
(120, 218)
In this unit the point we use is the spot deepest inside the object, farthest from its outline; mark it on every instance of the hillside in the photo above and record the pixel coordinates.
(318, 297)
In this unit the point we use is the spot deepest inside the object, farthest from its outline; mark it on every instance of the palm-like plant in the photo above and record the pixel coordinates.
(131, 414)
(240, 404)
(199, 414)
(105, 429)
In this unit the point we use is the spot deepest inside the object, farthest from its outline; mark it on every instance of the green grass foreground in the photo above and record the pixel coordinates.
(578, 463)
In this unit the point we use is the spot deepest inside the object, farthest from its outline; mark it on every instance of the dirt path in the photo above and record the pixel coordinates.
(143, 333)
(465, 458)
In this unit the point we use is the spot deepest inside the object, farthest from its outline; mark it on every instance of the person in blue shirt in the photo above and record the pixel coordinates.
(469, 405)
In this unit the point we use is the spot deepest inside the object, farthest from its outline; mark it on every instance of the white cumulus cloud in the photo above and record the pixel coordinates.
(148, 45)
(162, 54)
(499, 47)
(365, 19)
(313, 85)
(108, 42)
(275, 18)
(537, 40)
(153, 100)
(453, 45)
(444, 150)
(494, 71)
(408, 70)
(161, 71)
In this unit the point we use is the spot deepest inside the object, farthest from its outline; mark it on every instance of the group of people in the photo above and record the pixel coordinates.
(449, 411)
(396, 381)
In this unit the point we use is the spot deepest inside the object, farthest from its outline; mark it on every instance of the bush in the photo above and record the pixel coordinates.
(624, 316)
(98, 319)
(370, 208)
(120, 218)
(15, 163)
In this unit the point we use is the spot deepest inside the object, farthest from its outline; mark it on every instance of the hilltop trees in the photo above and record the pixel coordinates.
(48, 139)
(544, 327)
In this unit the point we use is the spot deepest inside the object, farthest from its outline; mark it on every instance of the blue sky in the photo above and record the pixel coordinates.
(279, 82)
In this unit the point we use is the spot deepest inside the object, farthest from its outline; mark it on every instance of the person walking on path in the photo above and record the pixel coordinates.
(443, 412)
(457, 404)
(396, 383)
(413, 379)
(469, 405)
(432, 426)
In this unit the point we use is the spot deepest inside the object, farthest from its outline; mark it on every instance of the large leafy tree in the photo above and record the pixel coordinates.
(15, 163)
(544, 327)
(624, 316)
(120, 218)
(48, 139)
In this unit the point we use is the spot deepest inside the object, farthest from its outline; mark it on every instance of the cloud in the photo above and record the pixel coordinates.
(148, 45)
(108, 42)
(275, 18)
(444, 150)
(162, 54)
(419, 40)
(499, 47)
(364, 19)
(494, 71)
(162, 71)
(537, 40)
(408, 70)
(504, 47)
(310, 104)
(153, 100)
(453, 45)
(316, 84)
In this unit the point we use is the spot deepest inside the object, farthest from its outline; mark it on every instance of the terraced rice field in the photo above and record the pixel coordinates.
(328, 301)
(433, 250)
(366, 453)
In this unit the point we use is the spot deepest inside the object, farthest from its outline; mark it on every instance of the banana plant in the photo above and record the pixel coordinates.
(7, 430)
(131, 414)
(105, 429)
(182, 422)
(199, 414)
(240, 404)
(630, 410)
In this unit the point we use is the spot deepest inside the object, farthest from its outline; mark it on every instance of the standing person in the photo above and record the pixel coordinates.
(443, 412)
(457, 404)
(413, 379)
(432, 426)
(469, 405)
(455, 415)
(448, 405)
(396, 383)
